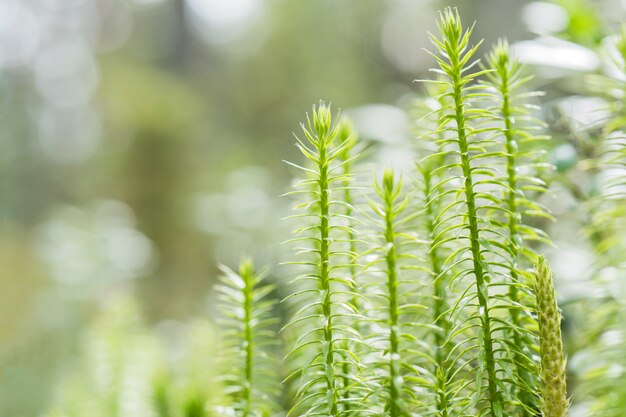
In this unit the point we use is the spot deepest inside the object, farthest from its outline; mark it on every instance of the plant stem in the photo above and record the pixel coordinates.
(346, 134)
(514, 236)
(495, 399)
(392, 291)
(247, 274)
(440, 303)
(324, 276)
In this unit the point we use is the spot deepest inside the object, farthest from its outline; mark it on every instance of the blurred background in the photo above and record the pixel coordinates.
(141, 144)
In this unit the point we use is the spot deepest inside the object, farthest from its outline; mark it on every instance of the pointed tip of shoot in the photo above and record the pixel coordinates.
(246, 267)
(499, 56)
(450, 23)
(322, 119)
(388, 179)
(389, 188)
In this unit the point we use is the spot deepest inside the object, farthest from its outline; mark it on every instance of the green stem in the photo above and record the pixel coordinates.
(439, 286)
(392, 289)
(347, 198)
(324, 257)
(440, 304)
(495, 399)
(515, 238)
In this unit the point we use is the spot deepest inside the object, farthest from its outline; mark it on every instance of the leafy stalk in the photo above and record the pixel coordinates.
(389, 192)
(430, 176)
(396, 315)
(455, 63)
(347, 135)
(322, 342)
(247, 310)
(516, 126)
(440, 292)
(392, 289)
(440, 317)
(553, 387)
(322, 127)
(504, 72)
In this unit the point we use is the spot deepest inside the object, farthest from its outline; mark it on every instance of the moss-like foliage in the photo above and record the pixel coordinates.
(411, 296)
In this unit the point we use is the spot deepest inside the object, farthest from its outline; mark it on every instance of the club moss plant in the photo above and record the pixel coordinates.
(404, 301)
(476, 200)
(478, 187)
(247, 321)
(323, 320)
(393, 298)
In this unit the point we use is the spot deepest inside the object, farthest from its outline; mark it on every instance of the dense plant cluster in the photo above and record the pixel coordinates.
(438, 318)
(425, 294)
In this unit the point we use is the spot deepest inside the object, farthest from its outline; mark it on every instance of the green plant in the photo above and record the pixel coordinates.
(454, 60)
(395, 307)
(520, 131)
(478, 242)
(406, 301)
(247, 316)
(321, 319)
(482, 209)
